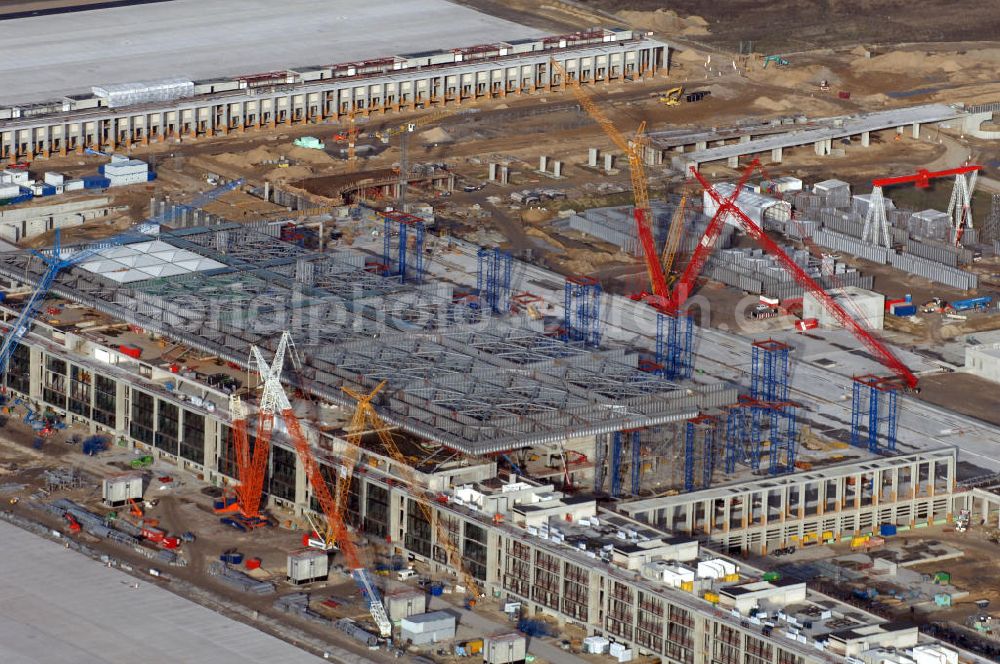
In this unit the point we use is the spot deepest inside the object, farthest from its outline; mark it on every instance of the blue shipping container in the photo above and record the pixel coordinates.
(100, 169)
(972, 303)
(904, 310)
(887, 529)
(19, 199)
(150, 176)
(95, 182)
(48, 190)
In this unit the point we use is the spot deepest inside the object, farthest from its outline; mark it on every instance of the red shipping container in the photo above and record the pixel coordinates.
(171, 542)
(131, 351)
(152, 534)
(844, 94)
(252, 563)
(806, 324)
(889, 303)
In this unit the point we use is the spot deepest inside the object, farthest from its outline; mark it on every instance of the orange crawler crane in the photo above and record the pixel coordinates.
(274, 394)
(251, 465)
(366, 419)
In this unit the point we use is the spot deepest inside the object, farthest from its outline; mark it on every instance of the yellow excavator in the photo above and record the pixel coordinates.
(672, 97)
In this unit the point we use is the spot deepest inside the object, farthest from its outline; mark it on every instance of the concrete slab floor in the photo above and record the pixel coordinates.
(68, 53)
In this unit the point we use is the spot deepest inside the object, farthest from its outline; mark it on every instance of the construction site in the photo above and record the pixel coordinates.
(567, 333)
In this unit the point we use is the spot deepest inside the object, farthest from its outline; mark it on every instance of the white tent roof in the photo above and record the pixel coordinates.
(147, 260)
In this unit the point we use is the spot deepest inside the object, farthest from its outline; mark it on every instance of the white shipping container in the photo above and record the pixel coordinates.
(9, 191)
(73, 185)
(53, 178)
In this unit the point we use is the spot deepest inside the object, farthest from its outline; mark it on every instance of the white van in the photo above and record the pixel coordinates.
(405, 574)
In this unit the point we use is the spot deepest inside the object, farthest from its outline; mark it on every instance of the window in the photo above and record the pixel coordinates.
(105, 401)
(141, 425)
(282, 473)
(19, 370)
(192, 445)
(168, 427)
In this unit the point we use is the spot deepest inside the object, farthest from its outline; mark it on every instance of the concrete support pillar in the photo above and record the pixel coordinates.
(776, 154)
(543, 163)
(609, 162)
(557, 169)
(592, 157)
(915, 128)
(819, 147)
(701, 145)
(866, 139)
(734, 161)
(745, 138)
(492, 172)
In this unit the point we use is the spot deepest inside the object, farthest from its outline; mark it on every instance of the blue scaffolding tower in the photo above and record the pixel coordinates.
(750, 423)
(699, 445)
(403, 226)
(674, 351)
(583, 310)
(615, 462)
(743, 435)
(782, 434)
(769, 371)
(874, 413)
(493, 282)
(636, 468)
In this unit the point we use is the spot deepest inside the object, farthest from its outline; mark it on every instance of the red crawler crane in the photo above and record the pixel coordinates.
(728, 207)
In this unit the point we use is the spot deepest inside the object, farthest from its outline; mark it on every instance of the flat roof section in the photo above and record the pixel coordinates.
(60, 606)
(69, 53)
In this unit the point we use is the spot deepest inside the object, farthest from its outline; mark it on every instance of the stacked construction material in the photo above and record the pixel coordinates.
(238, 580)
(935, 271)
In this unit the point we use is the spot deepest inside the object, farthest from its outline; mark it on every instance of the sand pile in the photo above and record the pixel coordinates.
(260, 154)
(688, 55)
(289, 173)
(909, 62)
(666, 21)
(307, 156)
(436, 135)
(544, 237)
(768, 104)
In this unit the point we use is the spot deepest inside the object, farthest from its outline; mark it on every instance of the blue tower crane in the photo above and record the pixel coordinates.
(58, 259)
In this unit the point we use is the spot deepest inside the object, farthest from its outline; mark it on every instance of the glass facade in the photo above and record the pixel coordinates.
(105, 401)
(192, 445)
(54, 386)
(19, 370)
(141, 423)
(80, 391)
(168, 427)
(282, 483)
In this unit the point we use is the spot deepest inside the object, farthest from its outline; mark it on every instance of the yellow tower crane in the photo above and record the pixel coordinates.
(633, 149)
(366, 420)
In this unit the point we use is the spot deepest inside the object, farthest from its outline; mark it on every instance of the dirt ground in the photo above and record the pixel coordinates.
(182, 508)
(805, 24)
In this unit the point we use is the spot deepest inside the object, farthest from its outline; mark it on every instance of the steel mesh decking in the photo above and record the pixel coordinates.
(457, 376)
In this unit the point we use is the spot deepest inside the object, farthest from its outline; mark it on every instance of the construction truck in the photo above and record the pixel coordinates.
(672, 97)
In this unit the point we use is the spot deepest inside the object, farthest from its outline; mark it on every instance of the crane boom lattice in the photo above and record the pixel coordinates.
(637, 173)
